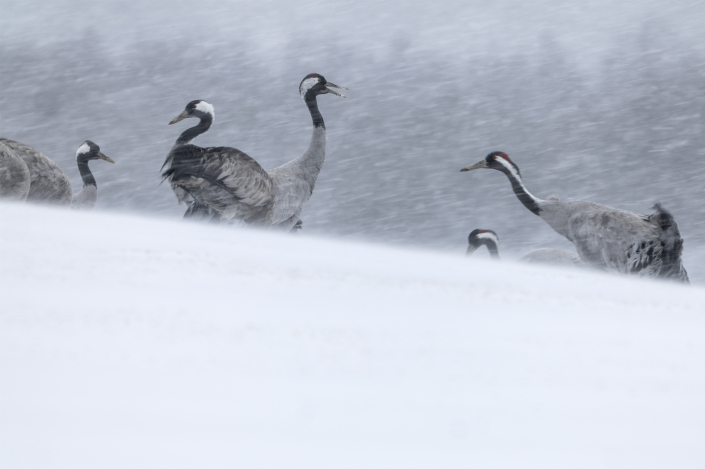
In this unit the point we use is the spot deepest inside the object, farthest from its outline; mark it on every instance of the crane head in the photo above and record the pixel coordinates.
(197, 108)
(314, 84)
(496, 160)
(90, 151)
(479, 238)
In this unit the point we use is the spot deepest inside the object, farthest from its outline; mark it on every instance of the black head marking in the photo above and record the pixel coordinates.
(94, 147)
(476, 239)
(495, 161)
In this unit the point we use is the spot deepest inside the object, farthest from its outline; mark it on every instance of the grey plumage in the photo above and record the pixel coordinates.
(198, 212)
(295, 181)
(618, 240)
(15, 178)
(490, 240)
(608, 238)
(233, 184)
(49, 184)
(226, 180)
(221, 179)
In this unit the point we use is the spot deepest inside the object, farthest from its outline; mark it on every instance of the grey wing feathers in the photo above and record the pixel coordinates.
(292, 193)
(225, 179)
(602, 236)
(15, 178)
(49, 183)
(182, 196)
(628, 243)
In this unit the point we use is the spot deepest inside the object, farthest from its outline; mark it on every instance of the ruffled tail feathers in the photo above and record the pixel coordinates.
(670, 237)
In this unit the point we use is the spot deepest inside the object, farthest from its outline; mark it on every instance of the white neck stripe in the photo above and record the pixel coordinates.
(488, 235)
(207, 108)
(83, 149)
(509, 166)
(306, 85)
(514, 172)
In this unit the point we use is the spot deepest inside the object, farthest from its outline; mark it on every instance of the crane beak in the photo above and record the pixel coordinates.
(105, 157)
(179, 118)
(333, 85)
(470, 250)
(478, 165)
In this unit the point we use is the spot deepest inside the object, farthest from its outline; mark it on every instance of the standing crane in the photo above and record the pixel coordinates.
(222, 179)
(295, 180)
(608, 238)
(233, 184)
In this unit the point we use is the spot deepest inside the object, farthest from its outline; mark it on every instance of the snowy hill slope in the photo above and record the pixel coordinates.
(134, 342)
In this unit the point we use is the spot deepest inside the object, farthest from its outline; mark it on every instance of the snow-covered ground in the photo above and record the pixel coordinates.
(137, 342)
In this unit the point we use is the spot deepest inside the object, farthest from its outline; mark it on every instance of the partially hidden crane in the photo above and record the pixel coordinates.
(489, 239)
(49, 184)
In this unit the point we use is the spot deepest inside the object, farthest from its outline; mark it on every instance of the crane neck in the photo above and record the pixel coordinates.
(492, 247)
(524, 196)
(312, 105)
(189, 134)
(86, 173)
(311, 161)
(309, 164)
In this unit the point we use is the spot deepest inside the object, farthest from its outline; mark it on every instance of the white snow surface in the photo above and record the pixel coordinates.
(137, 342)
